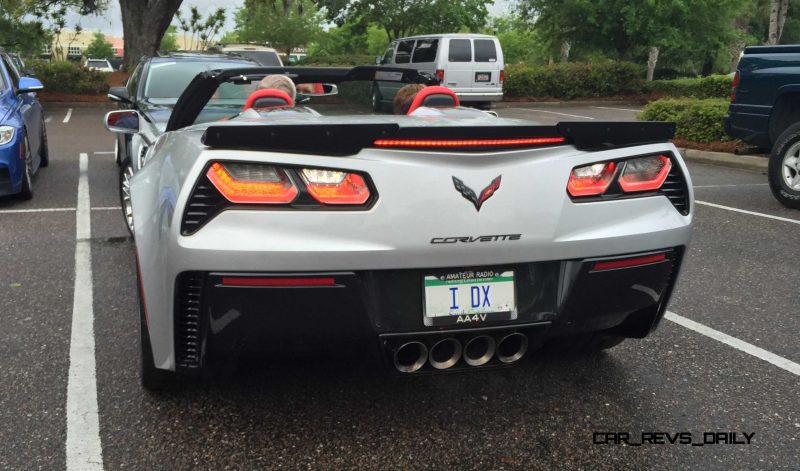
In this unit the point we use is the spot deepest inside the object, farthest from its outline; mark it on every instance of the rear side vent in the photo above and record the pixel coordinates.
(204, 203)
(188, 324)
(674, 188)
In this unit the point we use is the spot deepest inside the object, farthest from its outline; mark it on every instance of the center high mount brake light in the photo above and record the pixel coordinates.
(454, 143)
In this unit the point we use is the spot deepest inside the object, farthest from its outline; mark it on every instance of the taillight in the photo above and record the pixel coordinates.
(502, 76)
(252, 183)
(469, 143)
(734, 85)
(645, 173)
(591, 180)
(335, 187)
(629, 262)
(440, 75)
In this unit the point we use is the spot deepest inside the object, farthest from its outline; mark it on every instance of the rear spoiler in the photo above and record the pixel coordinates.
(350, 139)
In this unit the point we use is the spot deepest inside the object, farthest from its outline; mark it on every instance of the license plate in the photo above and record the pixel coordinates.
(483, 76)
(469, 297)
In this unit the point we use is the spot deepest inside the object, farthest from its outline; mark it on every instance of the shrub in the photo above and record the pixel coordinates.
(68, 77)
(697, 120)
(342, 60)
(713, 86)
(573, 80)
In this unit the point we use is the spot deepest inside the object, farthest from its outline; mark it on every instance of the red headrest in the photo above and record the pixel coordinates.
(273, 97)
(435, 96)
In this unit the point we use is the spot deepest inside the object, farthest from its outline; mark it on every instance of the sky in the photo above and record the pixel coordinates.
(111, 23)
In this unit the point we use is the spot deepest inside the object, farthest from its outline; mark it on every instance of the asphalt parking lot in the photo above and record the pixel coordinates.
(735, 369)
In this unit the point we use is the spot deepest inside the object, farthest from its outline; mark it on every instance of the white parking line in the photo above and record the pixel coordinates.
(107, 208)
(68, 116)
(561, 114)
(84, 451)
(617, 109)
(34, 210)
(744, 211)
(731, 185)
(104, 152)
(740, 345)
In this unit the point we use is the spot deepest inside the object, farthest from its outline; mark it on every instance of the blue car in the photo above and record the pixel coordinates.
(23, 139)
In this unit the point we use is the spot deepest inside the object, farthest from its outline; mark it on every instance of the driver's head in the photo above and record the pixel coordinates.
(279, 82)
(405, 96)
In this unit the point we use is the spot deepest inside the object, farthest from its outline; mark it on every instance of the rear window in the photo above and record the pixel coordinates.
(460, 50)
(265, 58)
(403, 54)
(425, 50)
(97, 64)
(485, 51)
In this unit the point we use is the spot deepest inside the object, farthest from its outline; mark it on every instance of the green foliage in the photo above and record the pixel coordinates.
(202, 31)
(343, 60)
(713, 86)
(697, 120)
(408, 17)
(99, 48)
(169, 42)
(358, 37)
(18, 33)
(284, 25)
(573, 80)
(68, 77)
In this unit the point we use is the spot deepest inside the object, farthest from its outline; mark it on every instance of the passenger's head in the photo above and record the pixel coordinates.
(405, 96)
(279, 82)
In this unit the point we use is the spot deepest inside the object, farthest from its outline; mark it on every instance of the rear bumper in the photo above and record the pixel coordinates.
(381, 309)
(479, 96)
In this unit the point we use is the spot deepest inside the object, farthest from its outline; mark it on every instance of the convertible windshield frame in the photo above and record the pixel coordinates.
(202, 88)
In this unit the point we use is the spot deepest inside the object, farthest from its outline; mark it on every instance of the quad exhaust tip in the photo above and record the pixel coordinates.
(410, 357)
(445, 353)
(479, 350)
(512, 347)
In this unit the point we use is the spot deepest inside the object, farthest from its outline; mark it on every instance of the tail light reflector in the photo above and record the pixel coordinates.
(252, 183)
(440, 75)
(734, 85)
(629, 262)
(335, 187)
(591, 180)
(645, 173)
(277, 282)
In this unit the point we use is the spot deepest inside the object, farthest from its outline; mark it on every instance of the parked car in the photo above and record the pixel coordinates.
(100, 65)
(439, 241)
(151, 91)
(263, 55)
(469, 64)
(765, 112)
(23, 137)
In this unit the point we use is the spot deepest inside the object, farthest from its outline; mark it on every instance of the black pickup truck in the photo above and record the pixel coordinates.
(765, 112)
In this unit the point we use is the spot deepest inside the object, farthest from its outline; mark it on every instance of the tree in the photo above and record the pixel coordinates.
(284, 24)
(201, 31)
(406, 17)
(169, 42)
(777, 19)
(99, 48)
(144, 23)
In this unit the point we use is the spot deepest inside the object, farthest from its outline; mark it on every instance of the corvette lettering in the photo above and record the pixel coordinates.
(469, 239)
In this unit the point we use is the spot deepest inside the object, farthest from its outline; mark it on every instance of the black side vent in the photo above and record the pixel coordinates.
(204, 203)
(188, 324)
(674, 188)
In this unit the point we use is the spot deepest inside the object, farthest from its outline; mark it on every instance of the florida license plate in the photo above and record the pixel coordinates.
(469, 297)
(483, 76)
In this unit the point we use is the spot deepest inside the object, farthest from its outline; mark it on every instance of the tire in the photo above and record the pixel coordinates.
(125, 173)
(784, 168)
(26, 192)
(44, 148)
(376, 99)
(152, 378)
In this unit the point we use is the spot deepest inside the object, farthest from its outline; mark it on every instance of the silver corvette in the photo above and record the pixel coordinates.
(448, 239)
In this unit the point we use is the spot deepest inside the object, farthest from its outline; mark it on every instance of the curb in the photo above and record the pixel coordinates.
(568, 104)
(747, 162)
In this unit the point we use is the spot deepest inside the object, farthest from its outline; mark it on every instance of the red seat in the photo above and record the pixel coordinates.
(268, 98)
(435, 96)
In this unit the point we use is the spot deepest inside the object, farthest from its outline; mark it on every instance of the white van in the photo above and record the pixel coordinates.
(469, 64)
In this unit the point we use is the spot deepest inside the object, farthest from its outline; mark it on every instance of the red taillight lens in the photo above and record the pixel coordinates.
(734, 85)
(335, 187)
(591, 180)
(502, 76)
(440, 75)
(629, 262)
(252, 183)
(645, 173)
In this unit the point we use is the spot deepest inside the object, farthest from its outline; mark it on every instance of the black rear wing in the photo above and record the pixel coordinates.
(349, 139)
